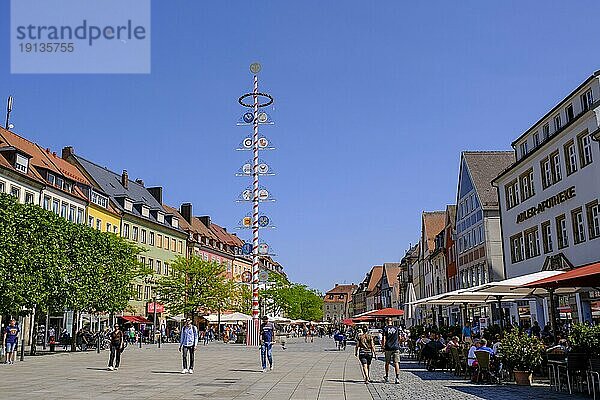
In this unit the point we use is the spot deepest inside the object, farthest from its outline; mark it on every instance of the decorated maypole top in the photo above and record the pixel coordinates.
(255, 168)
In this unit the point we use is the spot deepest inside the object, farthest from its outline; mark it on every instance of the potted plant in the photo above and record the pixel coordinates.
(521, 354)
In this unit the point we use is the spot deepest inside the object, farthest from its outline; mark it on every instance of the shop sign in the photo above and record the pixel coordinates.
(160, 308)
(553, 201)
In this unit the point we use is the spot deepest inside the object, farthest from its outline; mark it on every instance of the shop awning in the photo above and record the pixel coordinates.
(386, 312)
(586, 276)
(136, 319)
(515, 285)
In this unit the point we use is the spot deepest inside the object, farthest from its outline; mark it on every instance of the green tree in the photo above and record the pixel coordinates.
(295, 300)
(50, 264)
(194, 286)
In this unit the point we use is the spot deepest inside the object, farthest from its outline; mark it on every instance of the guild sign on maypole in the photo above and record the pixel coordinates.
(253, 116)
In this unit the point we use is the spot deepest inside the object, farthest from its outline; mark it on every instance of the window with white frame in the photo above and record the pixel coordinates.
(585, 149)
(526, 183)
(570, 157)
(151, 239)
(72, 211)
(587, 99)
(556, 167)
(80, 214)
(546, 131)
(557, 122)
(546, 172)
(46, 202)
(569, 113)
(125, 231)
(55, 206)
(562, 232)
(523, 149)
(532, 245)
(29, 198)
(21, 163)
(516, 248)
(536, 139)
(134, 233)
(99, 224)
(593, 219)
(143, 236)
(578, 225)
(512, 194)
(63, 209)
(547, 237)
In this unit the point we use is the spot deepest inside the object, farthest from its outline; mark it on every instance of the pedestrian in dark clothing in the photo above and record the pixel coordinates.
(117, 343)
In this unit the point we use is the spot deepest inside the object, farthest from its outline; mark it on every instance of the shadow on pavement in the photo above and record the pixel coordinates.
(97, 369)
(167, 372)
(434, 375)
(246, 370)
(346, 381)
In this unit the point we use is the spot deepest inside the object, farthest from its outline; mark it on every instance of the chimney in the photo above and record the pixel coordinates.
(336, 285)
(67, 151)
(156, 192)
(205, 220)
(139, 181)
(124, 179)
(186, 211)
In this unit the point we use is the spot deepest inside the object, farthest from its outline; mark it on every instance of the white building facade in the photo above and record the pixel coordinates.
(549, 196)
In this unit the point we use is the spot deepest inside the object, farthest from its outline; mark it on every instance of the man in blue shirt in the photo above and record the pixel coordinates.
(188, 342)
(11, 334)
(267, 332)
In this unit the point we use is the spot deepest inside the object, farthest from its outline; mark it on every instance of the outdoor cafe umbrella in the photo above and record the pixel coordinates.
(409, 306)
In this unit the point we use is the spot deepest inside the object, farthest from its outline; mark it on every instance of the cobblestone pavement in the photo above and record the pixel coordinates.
(303, 371)
(418, 383)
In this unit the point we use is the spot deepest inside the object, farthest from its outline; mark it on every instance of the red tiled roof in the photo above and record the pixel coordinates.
(339, 289)
(433, 223)
(44, 159)
(374, 277)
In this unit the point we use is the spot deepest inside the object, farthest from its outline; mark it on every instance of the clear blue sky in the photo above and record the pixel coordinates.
(373, 106)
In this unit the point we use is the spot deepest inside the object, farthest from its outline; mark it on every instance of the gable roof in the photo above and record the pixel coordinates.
(483, 167)
(391, 272)
(43, 159)
(374, 277)
(433, 223)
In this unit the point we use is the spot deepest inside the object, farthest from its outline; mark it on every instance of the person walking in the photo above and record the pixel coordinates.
(267, 332)
(11, 338)
(365, 351)
(391, 347)
(188, 342)
(117, 344)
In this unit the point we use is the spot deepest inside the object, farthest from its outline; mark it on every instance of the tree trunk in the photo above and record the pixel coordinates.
(32, 333)
(74, 331)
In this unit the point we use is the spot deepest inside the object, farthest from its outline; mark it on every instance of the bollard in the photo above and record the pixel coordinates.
(140, 341)
(98, 344)
(159, 339)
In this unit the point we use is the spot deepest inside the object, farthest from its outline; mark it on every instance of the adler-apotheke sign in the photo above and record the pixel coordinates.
(553, 201)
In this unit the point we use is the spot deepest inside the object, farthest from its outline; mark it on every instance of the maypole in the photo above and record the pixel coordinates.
(256, 194)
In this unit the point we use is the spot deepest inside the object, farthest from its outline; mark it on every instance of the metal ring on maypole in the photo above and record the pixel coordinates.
(268, 96)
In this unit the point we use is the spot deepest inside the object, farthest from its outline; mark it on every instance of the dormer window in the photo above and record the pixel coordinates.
(557, 122)
(160, 217)
(21, 163)
(128, 205)
(145, 211)
(569, 113)
(51, 179)
(99, 200)
(175, 222)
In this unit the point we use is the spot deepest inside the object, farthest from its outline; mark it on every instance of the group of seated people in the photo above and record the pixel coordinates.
(435, 351)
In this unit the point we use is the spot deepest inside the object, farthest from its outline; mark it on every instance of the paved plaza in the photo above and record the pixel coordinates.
(303, 371)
